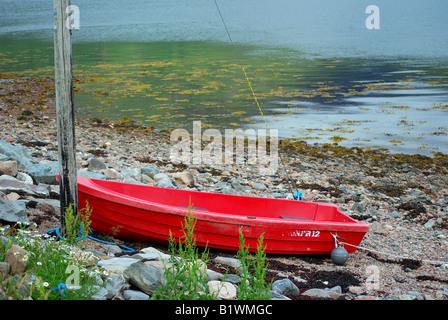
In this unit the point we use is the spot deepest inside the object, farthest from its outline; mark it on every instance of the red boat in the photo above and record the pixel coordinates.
(146, 213)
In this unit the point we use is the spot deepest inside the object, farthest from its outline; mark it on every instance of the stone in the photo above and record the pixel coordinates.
(9, 168)
(44, 172)
(101, 294)
(91, 174)
(21, 188)
(13, 212)
(184, 178)
(146, 277)
(157, 177)
(149, 171)
(131, 173)
(5, 268)
(277, 296)
(16, 153)
(285, 287)
(135, 295)
(17, 258)
(259, 186)
(317, 293)
(213, 275)
(96, 164)
(116, 265)
(114, 285)
(25, 178)
(232, 262)
(222, 290)
(162, 256)
(12, 196)
(165, 183)
(111, 174)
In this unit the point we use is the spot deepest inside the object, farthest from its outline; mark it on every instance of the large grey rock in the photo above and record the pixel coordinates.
(13, 212)
(10, 184)
(116, 265)
(44, 172)
(17, 153)
(285, 287)
(146, 277)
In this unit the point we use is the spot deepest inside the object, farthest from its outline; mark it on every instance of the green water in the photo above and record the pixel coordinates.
(317, 72)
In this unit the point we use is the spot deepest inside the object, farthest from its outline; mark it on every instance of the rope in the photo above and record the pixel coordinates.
(337, 242)
(57, 232)
(256, 101)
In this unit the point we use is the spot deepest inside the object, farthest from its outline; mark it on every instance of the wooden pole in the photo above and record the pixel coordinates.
(64, 109)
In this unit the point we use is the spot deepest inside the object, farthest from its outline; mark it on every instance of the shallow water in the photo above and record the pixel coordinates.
(318, 72)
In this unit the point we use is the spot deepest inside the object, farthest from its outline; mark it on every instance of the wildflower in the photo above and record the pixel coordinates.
(105, 273)
(46, 284)
(39, 263)
(25, 258)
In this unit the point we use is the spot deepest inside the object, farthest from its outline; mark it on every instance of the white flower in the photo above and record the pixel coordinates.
(46, 284)
(39, 263)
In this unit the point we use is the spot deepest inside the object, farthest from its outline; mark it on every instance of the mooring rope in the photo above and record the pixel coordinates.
(296, 195)
(338, 242)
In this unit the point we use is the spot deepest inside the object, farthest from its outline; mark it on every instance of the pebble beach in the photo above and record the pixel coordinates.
(403, 198)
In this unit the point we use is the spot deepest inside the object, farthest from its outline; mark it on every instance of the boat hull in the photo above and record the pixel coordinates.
(288, 226)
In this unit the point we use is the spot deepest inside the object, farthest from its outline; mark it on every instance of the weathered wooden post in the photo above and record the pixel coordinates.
(64, 109)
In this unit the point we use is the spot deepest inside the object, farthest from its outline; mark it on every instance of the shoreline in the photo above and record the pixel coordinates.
(402, 197)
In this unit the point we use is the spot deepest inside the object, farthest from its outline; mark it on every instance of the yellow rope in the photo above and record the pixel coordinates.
(256, 100)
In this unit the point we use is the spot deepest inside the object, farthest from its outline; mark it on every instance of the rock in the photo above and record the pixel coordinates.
(16, 153)
(114, 285)
(259, 186)
(44, 172)
(23, 189)
(13, 212)
(131, 173)
(100, 295)
(25, 178)
(147, 278)
(5, 268)
(317, 293)
(159, 176)
(111, 174)
(149, 171)
(184, 178)
(213, 275)
(285, 287)
(166, 183)
(17, 258)
(232, 262)
(277, 296)
(135, 295)
(116, 265)
(91, 174)
(162, 256)
(96, 164)
(9, 168)
(12, 196)
(222, 290)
